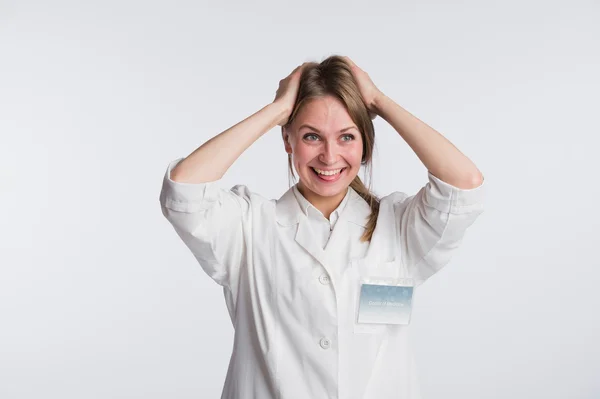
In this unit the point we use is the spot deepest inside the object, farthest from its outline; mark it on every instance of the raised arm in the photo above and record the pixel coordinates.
(441, 158)
(211, 221)
(210, 161)
(432, 223)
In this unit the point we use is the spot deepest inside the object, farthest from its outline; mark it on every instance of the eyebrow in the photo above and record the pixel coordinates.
(316, 130)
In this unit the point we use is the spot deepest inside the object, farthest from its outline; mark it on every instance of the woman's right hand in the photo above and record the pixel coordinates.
(287, 92)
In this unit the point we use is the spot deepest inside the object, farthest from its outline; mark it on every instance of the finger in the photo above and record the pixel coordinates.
(301, 67)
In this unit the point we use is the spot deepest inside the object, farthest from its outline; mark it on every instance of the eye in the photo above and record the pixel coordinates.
(308, 135)
(349, 137)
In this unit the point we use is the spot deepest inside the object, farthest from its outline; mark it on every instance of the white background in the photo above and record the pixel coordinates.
(99, 298)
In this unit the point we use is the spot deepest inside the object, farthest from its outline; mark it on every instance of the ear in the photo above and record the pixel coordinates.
(286, 140)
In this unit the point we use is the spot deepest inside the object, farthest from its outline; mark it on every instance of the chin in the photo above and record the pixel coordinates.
(325, 190)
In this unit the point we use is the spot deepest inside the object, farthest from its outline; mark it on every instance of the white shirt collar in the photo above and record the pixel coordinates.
(305, 205)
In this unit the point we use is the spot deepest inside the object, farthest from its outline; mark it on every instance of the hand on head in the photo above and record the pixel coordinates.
(368, 91)
(288, 90)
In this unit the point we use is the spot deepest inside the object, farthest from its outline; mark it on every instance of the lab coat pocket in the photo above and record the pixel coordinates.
(365, 270)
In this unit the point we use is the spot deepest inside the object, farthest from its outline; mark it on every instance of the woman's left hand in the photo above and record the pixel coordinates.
(369, 92)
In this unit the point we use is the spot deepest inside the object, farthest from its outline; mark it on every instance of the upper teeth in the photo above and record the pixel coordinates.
(327, 172)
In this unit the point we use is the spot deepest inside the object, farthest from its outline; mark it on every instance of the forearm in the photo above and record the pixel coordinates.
(436, 152)
(210, 161)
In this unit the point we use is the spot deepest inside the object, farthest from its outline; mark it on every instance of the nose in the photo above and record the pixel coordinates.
(328, 154)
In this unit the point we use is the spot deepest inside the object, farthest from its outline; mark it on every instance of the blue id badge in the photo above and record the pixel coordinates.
(385, 301)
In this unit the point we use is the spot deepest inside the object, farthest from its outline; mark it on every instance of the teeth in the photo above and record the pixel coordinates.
(327, 173)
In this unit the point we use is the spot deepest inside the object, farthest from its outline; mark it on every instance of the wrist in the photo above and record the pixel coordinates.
(281, 111)
(377, 102)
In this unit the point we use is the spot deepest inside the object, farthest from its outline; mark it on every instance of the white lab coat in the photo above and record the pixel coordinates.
(293, 304)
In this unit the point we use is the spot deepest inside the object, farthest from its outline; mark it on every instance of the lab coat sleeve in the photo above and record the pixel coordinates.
(432, 224)
(210, 221)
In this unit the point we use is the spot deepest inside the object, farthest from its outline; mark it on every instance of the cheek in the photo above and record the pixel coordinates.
(302, 155)
(354, 154)
(299, 159)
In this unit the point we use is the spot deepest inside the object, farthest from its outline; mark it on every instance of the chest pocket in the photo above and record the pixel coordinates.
(365, 269)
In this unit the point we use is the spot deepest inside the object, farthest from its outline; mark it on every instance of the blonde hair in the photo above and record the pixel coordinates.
(333, 77)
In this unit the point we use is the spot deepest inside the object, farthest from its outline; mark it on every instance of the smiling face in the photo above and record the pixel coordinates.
(326, 148)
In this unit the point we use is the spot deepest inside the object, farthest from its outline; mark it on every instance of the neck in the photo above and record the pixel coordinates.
(324, 204)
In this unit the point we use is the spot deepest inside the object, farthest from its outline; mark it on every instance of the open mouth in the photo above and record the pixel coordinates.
(328, 176)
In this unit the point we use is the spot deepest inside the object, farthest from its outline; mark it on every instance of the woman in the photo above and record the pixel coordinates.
(319, 283)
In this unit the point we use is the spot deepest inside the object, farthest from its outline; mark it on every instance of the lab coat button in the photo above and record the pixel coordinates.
(324, 279)
(325, 343)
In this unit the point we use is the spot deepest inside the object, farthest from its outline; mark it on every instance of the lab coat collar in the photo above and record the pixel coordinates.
(307, 207)
(289, 213)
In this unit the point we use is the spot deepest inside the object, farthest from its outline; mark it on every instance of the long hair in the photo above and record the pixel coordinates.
(334, 77)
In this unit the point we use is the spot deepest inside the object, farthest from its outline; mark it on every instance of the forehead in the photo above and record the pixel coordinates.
(327, 114)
